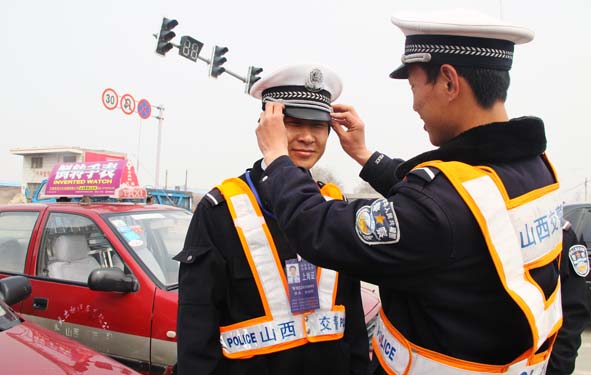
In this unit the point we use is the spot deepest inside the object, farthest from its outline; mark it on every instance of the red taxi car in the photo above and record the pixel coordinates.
(28, 349)
(103, 274)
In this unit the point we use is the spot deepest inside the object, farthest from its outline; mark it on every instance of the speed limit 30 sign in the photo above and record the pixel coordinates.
(110, 99)
(127, 103)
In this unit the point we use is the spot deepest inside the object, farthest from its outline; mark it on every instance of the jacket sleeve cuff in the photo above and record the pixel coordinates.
(379, 172)
(280, 162)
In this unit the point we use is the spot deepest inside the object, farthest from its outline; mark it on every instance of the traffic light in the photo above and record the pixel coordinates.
(165, 36)
(252, 77)
(217, 60)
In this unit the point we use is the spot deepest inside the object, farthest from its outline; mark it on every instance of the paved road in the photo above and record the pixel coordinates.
(583, 366)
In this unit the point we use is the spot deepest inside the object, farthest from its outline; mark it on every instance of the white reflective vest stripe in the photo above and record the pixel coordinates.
(522, 233)
(278, 329)
(398, 356)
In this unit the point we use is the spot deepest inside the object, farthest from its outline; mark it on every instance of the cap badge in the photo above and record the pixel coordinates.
(314, 81)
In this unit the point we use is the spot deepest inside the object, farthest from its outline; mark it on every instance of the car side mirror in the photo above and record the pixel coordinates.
(14, 289)
(112, 280)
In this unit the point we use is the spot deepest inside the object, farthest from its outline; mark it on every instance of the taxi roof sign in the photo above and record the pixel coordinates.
(113, 178)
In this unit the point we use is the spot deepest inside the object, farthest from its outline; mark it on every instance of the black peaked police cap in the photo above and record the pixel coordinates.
(460, 38)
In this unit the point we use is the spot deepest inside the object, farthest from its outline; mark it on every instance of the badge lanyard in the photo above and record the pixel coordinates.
(301, 275)
(256, 195)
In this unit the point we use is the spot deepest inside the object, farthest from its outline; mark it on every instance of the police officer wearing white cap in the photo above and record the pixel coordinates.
(238, 312)
(576, 304)
(465, 244)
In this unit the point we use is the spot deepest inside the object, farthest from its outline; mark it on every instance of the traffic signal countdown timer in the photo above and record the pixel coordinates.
(190, 48)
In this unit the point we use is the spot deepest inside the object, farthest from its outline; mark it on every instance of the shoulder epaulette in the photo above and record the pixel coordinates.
(426, 173)
(567, 225)
(214, 197)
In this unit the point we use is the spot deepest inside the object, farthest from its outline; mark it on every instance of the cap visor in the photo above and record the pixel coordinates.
(400, 73)
(307, 114)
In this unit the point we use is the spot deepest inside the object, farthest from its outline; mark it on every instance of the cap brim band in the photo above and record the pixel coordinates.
(307, 114)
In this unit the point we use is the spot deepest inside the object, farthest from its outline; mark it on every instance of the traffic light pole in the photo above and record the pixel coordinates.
(190, 48)
(208, 61)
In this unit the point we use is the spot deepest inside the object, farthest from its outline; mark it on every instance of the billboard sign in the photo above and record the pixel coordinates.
(77, 179)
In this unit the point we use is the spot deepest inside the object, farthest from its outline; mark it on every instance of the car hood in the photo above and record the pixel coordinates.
(29, 349)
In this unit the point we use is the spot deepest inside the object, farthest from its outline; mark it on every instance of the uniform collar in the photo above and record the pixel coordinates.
(256, 172)
(498, 142)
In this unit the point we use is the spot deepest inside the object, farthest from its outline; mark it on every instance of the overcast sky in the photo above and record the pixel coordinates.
(58, 56)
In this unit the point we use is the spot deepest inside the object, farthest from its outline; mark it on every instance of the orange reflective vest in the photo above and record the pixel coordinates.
(278, 329)
(521, 234)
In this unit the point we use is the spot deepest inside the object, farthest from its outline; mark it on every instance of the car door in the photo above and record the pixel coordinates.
(71, 245)
(16, 228)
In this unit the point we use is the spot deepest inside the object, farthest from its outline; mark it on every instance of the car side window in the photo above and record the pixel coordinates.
(16, 228)
(585, 229)
(580, 219)
(72, 247)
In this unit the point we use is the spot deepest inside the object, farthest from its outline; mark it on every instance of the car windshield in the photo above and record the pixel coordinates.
(154, 237)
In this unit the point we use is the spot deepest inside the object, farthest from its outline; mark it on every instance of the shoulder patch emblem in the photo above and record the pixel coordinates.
(427, 174)
(377, 223)
(577, 255)
(214, 197)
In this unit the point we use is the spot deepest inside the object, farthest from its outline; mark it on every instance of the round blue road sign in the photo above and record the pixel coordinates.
(144, 109)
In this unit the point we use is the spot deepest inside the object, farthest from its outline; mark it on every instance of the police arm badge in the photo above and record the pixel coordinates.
(377, 224)
(578, 257)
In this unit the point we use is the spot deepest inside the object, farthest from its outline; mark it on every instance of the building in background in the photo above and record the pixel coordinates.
(38, 161)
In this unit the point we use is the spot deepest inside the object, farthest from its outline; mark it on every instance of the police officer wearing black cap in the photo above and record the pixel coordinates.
(574, 266)
(465, 244)
(239, 313)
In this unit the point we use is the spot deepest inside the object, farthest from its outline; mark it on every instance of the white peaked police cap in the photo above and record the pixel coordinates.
(458, 37)
(306, 90)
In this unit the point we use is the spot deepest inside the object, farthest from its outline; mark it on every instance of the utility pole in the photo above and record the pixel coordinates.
(586, 182)
(160, 118)
(139, 143)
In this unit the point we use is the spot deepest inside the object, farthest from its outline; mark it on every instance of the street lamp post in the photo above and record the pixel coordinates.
(160, 118)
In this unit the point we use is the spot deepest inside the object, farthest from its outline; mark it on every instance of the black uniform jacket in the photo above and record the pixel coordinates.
(217, 288)
(575, 312)
(438, 284)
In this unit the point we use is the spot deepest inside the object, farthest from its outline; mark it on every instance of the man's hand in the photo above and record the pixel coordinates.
(352, 136)
(271, 133)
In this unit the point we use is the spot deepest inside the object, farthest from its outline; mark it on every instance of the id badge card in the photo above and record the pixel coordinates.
(303, 287)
